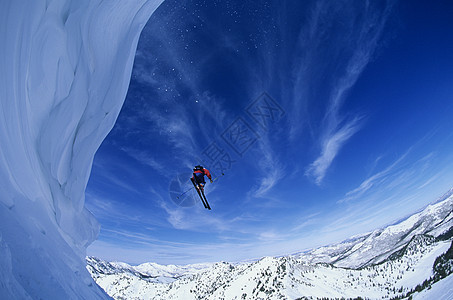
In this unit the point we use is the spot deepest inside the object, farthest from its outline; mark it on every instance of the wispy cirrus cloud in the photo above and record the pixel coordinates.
(144, 157)
(193, 219)
(331, 145)
(270, 169)
(410, 170)
(180, 107)
(167, 252)
(375, 179)
(401, 188)
(112, 175)
(352, 50)
(121, 213)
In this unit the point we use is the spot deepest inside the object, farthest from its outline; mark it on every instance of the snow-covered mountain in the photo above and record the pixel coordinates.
(394, 262)
(152, 272)
(372, 248)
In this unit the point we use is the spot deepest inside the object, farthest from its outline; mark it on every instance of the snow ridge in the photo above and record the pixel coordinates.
(376, 246)
(152, 272)
(65, 69)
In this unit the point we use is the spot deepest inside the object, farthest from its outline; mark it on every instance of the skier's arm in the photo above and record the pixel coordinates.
(207, 173)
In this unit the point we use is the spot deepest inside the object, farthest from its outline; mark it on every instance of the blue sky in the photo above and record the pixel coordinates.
(328, 119)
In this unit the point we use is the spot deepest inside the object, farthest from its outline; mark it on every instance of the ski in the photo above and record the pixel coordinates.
(199, 194)
(206, 200)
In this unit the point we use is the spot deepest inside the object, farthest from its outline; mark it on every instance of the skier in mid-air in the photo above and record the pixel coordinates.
(198, 176)
(198, 181)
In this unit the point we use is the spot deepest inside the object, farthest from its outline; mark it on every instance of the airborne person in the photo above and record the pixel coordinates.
(198, 177)
(198, 181)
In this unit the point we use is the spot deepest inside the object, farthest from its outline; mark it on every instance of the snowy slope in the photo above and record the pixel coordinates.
(379, 244)
(283, 278)
(64, 71)
(403, 261)
(442, 290)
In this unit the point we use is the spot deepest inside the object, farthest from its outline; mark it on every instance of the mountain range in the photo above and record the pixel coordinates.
(410, 259)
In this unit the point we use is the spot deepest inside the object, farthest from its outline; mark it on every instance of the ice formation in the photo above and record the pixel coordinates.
(64, 72)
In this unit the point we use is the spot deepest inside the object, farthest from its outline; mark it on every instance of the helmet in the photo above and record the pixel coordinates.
(198, 167)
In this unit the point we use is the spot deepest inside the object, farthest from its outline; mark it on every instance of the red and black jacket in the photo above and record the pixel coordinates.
(204, 172)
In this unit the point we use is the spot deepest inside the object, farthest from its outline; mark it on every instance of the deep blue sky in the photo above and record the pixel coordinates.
(360, 135)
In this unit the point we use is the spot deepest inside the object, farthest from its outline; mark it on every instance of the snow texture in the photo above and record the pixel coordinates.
(280, 278)
(442, 290)
(65, 67)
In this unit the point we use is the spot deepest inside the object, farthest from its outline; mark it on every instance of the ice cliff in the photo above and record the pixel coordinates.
(64, 72)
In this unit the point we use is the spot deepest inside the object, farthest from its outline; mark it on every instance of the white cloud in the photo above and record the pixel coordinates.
(194, 219)
(352, 51)
(271, 236)
(144, 157)
(271, 171)
(374, 179)
(331, 145)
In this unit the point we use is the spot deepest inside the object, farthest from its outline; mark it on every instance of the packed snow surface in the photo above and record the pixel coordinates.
(65, 69)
